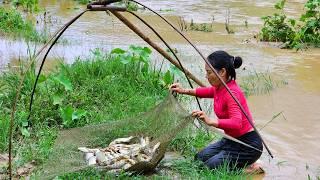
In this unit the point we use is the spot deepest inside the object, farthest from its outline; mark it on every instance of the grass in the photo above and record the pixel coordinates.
(4, 130)
(259, 83)
(13, 24)
(190, 169)
(102, 87)
(93, 87)
(28, 5)
(204, 27)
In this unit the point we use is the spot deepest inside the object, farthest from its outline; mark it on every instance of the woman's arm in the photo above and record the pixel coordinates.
(203, 116)
(202, 92)
(178, 89)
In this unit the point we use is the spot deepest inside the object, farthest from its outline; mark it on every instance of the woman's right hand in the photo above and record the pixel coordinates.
(176, 87)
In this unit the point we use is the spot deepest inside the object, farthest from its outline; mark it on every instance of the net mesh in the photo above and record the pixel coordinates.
(162, 123)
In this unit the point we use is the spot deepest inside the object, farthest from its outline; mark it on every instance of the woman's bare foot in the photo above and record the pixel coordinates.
(255, 168)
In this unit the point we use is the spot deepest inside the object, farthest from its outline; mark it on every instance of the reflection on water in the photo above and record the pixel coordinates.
(293, 137)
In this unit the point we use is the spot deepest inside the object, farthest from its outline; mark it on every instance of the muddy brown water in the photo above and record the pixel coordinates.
(292, 137)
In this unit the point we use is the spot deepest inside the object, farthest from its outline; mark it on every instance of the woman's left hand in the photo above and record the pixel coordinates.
(203, 116)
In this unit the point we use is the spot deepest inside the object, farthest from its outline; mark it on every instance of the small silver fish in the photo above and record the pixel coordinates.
(156, 147)
(121, 153)
(101, 158)
(122, 140)
(88, 155)
(88, 150)
(92, 161)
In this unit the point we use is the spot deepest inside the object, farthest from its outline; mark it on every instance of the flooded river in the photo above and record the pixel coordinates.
(292, 137)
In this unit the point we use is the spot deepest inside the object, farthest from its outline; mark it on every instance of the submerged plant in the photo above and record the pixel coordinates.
(259, 83)
(204, 27)
(227, 23)
(27, 5)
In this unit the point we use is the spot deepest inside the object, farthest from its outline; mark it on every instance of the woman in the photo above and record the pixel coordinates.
(230, 117)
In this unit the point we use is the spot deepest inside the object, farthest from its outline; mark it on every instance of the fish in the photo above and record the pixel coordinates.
(122, 140)
(88, 150)
(92, 161)
(101, 158)
(121, 153)
(88, 156)
(155, 147)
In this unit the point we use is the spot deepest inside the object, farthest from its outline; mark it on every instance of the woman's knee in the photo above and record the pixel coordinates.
(214, 163)
(199, 156)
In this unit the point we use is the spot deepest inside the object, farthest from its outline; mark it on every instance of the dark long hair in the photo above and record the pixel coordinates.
(221, 59)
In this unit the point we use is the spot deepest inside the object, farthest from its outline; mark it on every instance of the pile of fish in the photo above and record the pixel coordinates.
(121, 153)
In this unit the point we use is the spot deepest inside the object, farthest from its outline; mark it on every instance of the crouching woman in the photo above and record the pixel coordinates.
(229, 115)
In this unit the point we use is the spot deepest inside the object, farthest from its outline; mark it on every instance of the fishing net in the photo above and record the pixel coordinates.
(162, 123)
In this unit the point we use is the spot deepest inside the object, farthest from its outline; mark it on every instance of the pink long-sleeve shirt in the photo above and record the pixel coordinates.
(230, 117)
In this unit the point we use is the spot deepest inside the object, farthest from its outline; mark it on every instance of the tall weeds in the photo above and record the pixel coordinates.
(12, 24)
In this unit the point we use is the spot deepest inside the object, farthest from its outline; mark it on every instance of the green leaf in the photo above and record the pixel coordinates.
(118, 51)
(57, 99)
(147, 50)
(175, 71)
(280, 5)
(134, 48)
(124, 60)
(42, 78)
(63, 80)
(24, 123)
(167, 78)
(66, 115)
(145, 68)
(292, 22)
(78, 114)
(25, 132)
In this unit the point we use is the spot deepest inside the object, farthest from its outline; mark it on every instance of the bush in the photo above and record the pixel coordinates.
(294, 33)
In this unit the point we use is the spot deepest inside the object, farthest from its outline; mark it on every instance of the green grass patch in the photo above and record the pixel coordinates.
(190, 169)
(259, 83)
(13, 24)
(103, 87)
(27, 5)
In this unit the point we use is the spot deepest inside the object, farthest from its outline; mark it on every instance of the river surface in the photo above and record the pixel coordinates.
(293, 137)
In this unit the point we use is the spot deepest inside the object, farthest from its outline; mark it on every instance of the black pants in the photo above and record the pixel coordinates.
(235, 155)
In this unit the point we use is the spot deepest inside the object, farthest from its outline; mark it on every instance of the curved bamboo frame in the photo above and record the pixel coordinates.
(104, 6)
